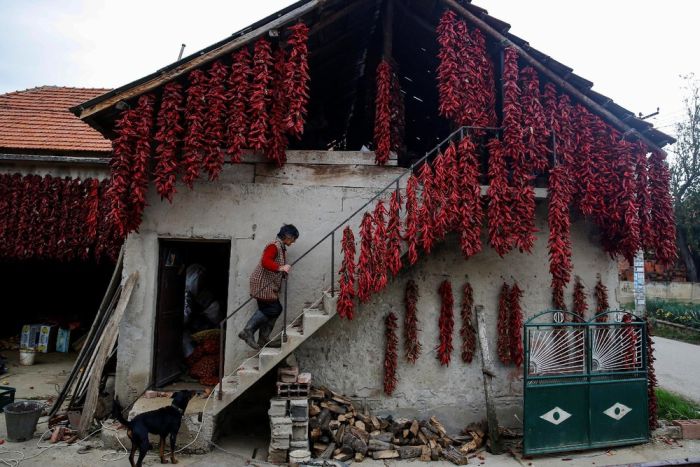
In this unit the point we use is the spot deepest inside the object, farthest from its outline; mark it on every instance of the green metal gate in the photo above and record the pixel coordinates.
(585, 382)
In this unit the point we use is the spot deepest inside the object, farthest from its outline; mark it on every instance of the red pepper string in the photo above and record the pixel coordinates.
(630, 338)
(398, 114)
(651, 378)
(450, 85)
(56, 221)
(120, 168)
(467, 330)
(446, 323)
(296, 79)
(500, 218)
(141, 161)
(586, 167)
(169, 131)
(24, 221)
(441, 189)
(580, 308)
(259, 97)
(42, 215)
(87, 208)
(662, 217)
(426, 221)
(411, 232)
(63, 224)
(630, 241)
(411, 341)
(93, 213)
(643, 197)
(195, 121)
(237, 123)
(471, 214)
(503, 342)
(483, 74)
(393, 227)
(452, 197)
(382, 115)
(391, 354)
(559, 242)
(536, 132)
(109, 239)
(73, 207)
(379, 251)
(215, 126)
(277, 143)
(365, 267)
(516, 325)
(5, 195)
(601, 297)
(346, 296)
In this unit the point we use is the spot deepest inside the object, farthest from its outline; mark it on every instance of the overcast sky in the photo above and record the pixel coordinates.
(633, 50)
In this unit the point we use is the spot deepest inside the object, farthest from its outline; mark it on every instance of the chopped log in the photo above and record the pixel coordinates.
(388, 454)
(438, 426)
(414, 428)
(428, 434)
(476, 442)
(375, 423)
(357, 444)
(328, 452)
(425, 453)
(384, 424)
(339, 434)
(434, 454)
(324, 419)
(343, 456)
(382, 436)
(359, 457)
(314, 410)
(367, 420)
(360, 425)
(455, 456)
(333, 425)
(315, 433)
(342, 419)
(410, 452)
(422, 438)
(377, 445)
(335, 408)
(405, 433)
(341, 399)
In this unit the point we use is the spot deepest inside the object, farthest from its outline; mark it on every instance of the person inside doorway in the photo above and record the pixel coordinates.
(202, 309)
(265, 284)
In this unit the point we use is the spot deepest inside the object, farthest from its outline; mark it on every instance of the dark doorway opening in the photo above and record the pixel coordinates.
(192, 294)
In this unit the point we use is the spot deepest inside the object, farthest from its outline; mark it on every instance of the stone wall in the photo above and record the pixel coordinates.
(685, 292)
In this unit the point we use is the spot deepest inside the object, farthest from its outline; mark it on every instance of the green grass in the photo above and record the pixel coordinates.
(673, 407)
(669, 332)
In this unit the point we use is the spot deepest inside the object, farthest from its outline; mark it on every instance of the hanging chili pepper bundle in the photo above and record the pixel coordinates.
(296, 79)
(483, 74)
(453, 182)
(503, 342)
(467, 330)
(379, 252)
(237, 123)
(450, 85)
(62, 248)
(277, 142)
(391, 354)
(601, 297)
(215, 126)
(141, 160)
(54, 225)
(559, 235)
(72, 206)
(662, 218)
(382, 114)
(440, 195)
(643, 197)
(446, 323)
(630, 340)
(585, 169)
(169, 131)
(471, 214)
(365, 263)
(426, 211)
(515, 332)
(5, 194)
(500, 218)
(23, 219)
(630, 241)
(120, 168)
(651, 379)
(346, 296)
(43, 213)
(411, 231)
(259, 97)
(195, 120)
(393, 227)
(398, 114)
(93, 209)
(580, 306)
(535, 130)
(411, 342)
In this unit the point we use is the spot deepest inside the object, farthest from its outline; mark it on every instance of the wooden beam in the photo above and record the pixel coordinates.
(350, 8)
(203, 59)
(48, 159)
(558, 80)
(488, 372)
(388, 29)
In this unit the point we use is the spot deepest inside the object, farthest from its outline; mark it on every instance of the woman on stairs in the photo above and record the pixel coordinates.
(265, 284)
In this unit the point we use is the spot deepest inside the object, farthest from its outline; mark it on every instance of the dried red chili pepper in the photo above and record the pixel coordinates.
(382, 114)
(393, 227)
(5, 195)
(441, 187)
(398, 114)
(446, 323)
(215, 126)
(467, 330)
(601, 296)
(503, 342)
(515, 333)
(500, 216)
(630, 241)
(471, 214)
(536, 132)
(93, 212)
(426, 221)
(379, 252)
(651, 379)
(483, 74)
(365, 268)
(141, 161)
(580, 306)
(629, 339)
(411, 231)
(391, 354)
(296, 79)
(277, 142)
(195, 120)
(662, 216)
(259, 97)
(169, 131)
(346, 296)
(643, 197)
(411, 341)
(450, 85)
(237, 123)
(120, 168)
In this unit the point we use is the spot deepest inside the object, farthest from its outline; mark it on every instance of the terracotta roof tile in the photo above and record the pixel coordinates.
(39, 119)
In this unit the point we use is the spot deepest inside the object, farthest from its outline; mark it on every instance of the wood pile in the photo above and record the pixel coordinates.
(340, 431)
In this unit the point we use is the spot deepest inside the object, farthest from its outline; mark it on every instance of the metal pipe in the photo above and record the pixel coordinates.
(333, 264)
(222, 343)
(284, 328)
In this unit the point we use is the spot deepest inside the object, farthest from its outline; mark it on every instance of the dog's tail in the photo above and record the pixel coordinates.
(117, 413)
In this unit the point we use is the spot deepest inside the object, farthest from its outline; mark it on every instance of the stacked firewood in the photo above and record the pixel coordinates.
(340, 431)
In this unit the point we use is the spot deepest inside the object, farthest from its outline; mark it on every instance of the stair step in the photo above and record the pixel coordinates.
(330, 303)
(268, 357)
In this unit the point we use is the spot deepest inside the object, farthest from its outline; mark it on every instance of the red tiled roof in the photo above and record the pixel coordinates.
(39, 119)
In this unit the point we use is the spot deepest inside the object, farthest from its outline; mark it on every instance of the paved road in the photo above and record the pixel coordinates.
(678, 367)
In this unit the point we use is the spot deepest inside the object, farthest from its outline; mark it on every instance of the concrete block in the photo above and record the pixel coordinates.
(304, 444)
(299, 410)
(278, 407)
(279, 442)
(300, 431)
(281, 426)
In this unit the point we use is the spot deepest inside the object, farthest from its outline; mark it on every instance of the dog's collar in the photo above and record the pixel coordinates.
(178, 409)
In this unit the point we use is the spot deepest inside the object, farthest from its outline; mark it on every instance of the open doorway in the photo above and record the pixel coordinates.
(192, 295)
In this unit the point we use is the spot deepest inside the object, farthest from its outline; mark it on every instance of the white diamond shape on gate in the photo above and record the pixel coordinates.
(617, 411)
(556, 416)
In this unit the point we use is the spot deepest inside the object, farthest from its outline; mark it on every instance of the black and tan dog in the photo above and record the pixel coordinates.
(162, 422)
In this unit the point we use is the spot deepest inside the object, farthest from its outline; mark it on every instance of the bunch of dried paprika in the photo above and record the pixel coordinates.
(296, 79)
(580, 306)
(237, 123)
(391, 354)
(393, 227)
(467, 330)
(215, 126)
(445, 323)
(411, 341)
(259, 97)
(195, 120)
(382, 114)
(168, 133)
(411, 232)
(503, 326)
(515, 333)
(365, 268)
(346, 296)
(379, 248)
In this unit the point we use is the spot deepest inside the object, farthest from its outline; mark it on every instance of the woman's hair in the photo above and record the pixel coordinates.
(288, 230)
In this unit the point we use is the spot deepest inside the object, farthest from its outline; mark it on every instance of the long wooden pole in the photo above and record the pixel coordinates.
(388, 29)
(558, 80)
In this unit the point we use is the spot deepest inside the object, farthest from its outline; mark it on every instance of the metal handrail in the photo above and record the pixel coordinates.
(222, 341)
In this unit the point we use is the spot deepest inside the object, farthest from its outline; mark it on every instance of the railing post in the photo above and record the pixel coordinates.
(333, 264)
(222, 343)
(284, 328)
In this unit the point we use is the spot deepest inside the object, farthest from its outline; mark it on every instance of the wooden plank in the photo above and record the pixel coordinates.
(196, 62)
(48, 159)
(110, 333)
(487, 372)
